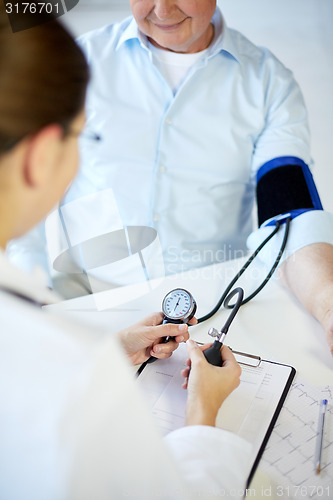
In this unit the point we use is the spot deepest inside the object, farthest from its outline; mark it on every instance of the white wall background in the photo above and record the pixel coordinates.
(299, 32)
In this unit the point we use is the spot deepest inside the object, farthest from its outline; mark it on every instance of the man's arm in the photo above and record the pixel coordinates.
(309, 275)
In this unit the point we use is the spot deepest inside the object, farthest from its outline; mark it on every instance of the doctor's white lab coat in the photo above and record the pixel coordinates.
(73, 424)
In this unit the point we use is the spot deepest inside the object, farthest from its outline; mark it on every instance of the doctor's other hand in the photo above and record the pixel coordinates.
(145, 338)
(208, 386)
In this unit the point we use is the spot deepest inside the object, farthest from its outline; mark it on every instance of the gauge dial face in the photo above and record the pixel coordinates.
(177, 304)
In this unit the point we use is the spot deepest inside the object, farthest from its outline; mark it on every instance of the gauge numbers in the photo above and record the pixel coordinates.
(177, 304)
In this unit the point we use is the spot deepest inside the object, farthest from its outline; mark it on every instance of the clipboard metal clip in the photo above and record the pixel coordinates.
(244, 358)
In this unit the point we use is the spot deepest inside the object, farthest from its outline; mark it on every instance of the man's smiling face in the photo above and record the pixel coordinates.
(176, 25)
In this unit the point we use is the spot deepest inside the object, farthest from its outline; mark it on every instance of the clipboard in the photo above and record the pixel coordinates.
(250, 411)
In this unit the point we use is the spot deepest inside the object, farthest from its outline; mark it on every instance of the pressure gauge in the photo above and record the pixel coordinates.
(178, 306)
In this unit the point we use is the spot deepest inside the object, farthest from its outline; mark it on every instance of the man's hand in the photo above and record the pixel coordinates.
(144, 339)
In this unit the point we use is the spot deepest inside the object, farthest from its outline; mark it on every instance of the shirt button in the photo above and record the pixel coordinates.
(162, 169)
(156, 218)
(168, 121)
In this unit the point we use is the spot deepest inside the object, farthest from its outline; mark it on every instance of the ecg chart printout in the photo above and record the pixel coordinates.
(289, 458)
(247, 412)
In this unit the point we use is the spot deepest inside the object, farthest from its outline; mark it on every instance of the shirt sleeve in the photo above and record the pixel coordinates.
(286, 133)
(286, 129)
(314, 226)
(214, 462)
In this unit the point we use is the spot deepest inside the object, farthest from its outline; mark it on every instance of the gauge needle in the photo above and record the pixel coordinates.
(176, 306)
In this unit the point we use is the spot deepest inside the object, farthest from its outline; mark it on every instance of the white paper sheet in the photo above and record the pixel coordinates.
(247, 412)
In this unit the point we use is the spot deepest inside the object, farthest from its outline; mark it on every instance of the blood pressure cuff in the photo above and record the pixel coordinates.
(285, 188)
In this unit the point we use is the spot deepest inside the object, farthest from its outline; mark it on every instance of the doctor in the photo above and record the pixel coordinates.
(73, 424)
(195, 114)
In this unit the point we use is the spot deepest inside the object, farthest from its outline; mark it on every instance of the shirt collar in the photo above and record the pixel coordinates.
(131, 32)
(222, 41)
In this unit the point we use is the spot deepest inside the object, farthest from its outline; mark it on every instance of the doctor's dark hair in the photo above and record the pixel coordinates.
(43, 80)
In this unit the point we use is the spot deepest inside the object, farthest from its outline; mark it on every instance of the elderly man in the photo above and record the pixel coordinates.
(197, 123)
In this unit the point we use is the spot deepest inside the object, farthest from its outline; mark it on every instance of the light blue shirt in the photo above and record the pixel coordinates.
(186, 164)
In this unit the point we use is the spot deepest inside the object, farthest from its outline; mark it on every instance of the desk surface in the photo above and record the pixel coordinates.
(273, 325)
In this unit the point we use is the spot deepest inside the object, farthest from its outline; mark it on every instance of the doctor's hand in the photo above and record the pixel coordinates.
(208, 385)
(144, 339)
